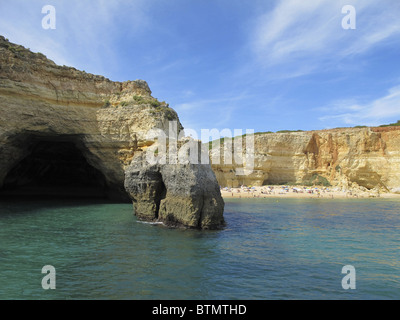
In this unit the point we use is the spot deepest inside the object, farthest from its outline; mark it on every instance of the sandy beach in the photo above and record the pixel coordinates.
(302, 192)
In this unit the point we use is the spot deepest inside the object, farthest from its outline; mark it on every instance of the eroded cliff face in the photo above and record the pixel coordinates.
(47, 109)
(349, 157)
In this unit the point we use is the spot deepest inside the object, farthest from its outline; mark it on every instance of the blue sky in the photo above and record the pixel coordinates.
(262, 65)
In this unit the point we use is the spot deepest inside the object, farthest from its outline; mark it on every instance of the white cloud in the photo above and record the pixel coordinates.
(305, 35)
(48, 46)
(386, 108)
(218, 111)
(90, 26)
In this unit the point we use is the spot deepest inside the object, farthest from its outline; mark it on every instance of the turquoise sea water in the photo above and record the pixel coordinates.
(270, 249)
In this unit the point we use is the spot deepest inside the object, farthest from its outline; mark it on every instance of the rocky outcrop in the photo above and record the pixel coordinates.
(44, 106)
(349, 157)
(181, 194)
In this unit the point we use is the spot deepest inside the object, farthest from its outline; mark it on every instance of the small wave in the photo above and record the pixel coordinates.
(151, 223)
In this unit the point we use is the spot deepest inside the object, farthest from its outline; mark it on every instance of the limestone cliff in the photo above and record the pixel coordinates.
(348, 157)
(48, 109)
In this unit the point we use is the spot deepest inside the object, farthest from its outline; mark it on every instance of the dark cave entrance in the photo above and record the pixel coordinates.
(161, 193)
(54, 169)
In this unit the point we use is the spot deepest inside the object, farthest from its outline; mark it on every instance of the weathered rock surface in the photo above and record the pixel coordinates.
(181, 194)
(348, 157)
(42, 104)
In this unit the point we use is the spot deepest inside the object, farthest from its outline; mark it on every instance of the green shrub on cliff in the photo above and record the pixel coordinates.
(288, 131)
(16, 49)
(317, 180)
(138, 100)
(169, 113)
(106, 104)
(397, 124)
(155, 103)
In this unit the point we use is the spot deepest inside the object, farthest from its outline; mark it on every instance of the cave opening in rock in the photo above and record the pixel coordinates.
(160, 195)
(54, 169)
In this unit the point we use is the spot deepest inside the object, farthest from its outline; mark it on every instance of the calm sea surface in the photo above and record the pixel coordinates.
(270, 249)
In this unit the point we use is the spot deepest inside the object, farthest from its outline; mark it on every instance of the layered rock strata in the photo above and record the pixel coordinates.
(45, 107)
(349, 157)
